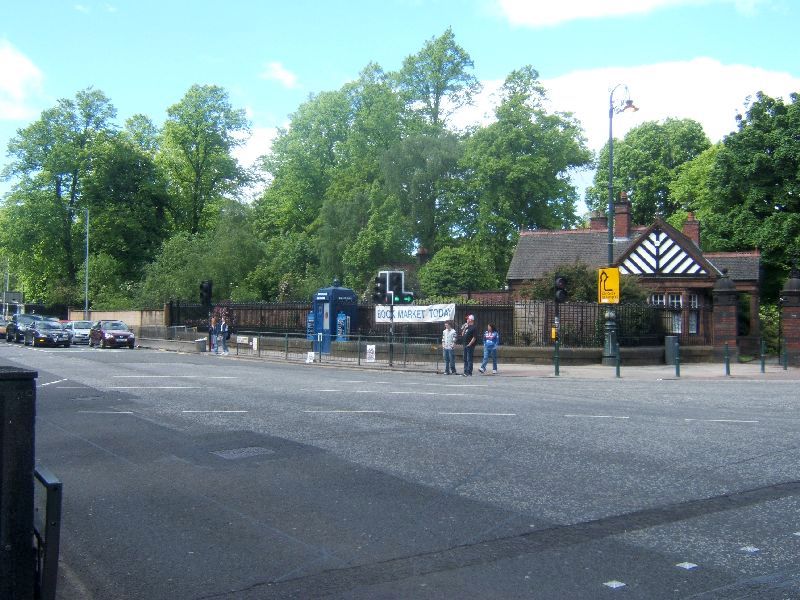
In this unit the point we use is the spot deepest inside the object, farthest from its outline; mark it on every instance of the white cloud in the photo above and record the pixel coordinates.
(276, 71)
(250, 152)
(545, 14)
(20, 84)
(702, 89)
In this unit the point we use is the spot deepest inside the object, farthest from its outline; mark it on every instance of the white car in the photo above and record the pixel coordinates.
(79, 330)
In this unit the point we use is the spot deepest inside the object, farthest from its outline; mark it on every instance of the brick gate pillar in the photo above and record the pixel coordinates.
(724, 318)
(790, 316)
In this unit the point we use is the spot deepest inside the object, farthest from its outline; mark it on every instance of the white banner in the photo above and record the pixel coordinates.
(406, 313)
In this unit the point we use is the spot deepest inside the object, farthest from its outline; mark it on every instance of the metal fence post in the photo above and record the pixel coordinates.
(727, 360)
(359, 349)
(763, 353)
(556, 358)
(785, 356)
(618, 360)
(286, 347)
(677, 359)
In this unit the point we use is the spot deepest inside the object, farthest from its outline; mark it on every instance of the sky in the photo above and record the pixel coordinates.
(698, 59)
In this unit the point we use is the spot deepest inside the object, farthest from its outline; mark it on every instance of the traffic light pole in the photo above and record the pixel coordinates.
(391, 331)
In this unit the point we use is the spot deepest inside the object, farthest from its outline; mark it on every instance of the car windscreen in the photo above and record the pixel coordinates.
(48, 325)
(117, 326)
(81, 324)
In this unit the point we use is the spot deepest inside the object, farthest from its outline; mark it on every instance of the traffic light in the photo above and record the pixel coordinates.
(205, 292)
(379, 292)
(406, 297)
(396, 286)
(561, 289)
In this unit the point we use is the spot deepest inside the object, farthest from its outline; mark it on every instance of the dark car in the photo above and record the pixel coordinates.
(111, 333)
(18, 325)
(47, 333)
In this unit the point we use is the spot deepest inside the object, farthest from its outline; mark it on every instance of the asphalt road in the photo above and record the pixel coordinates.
(203, 477)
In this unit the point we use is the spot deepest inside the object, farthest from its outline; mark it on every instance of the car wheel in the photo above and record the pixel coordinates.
(130, 346)
(103, 344)
(67, 345)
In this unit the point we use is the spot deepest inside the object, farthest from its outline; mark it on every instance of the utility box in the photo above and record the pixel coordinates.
(328, 306)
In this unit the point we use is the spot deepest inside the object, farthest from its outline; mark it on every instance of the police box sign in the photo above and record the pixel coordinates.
(416, 314)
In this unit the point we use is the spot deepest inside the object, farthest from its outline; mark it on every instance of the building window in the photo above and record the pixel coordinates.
(694, 314)
(657, 299)
(675, 301)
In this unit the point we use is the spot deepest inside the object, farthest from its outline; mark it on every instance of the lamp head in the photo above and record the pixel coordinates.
(629, 105)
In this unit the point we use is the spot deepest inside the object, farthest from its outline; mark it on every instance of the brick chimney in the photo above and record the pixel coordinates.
(598, 221)
(691, 229)
(622, 217)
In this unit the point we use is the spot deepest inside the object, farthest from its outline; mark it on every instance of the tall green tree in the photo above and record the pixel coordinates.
(517, 169)
(754, 188)
(436, 81)
(646, 162)
(52, 160)
(200, 133)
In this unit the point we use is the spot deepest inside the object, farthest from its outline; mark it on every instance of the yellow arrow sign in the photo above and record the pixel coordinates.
(608, 285)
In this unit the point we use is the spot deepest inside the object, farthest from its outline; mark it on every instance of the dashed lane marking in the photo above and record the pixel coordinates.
(105, 412)
(156, 387)
(51, 382)
(686, 565)
(479, 414)
(213, 411)
(719, 421)
(173, 377)
(596, 416)
(345, 411)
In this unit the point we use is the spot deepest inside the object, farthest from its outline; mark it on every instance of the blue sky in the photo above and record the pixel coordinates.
(679, 58)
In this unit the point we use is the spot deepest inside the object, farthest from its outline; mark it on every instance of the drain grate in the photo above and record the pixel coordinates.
(237, 453)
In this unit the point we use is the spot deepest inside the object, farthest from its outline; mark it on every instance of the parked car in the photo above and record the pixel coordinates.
(18, 325)
(46, 332)
(111, 333)
(3, 323)
(79, 331)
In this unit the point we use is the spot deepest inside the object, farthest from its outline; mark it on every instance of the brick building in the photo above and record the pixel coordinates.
(668, 262)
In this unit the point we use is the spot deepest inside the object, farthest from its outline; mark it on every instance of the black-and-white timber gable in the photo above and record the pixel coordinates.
(661, 250)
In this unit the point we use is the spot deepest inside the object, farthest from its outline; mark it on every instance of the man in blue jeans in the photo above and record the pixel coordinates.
(469, 338)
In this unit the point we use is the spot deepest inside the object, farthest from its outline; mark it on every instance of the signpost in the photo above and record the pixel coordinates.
(608, 285)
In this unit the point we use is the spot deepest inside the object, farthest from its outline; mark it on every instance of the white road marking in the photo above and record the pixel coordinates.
(720, 421)
(156, 387)
(749, 549)
(614, 584)
(213, 411)
(173, 376)
(686, 565)
(479, 414)
(51, 382)
(106, 412)
(344, 411)
(597, 416)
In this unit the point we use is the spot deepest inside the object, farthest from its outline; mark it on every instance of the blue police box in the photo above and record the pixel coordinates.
(335, 313)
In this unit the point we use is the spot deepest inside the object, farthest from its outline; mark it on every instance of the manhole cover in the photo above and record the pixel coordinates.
(237, 453)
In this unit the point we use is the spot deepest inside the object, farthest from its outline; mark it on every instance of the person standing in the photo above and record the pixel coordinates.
(448, 347)
(224, 335)
(491, 339)
(213, 330)
(469, 338)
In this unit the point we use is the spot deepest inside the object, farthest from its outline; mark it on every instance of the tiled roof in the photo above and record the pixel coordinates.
(741, 265)
(541, 252)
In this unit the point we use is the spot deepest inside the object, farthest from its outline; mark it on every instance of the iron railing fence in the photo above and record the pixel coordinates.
(527, 323)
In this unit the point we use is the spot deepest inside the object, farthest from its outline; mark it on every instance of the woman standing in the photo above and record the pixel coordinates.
(491, 339)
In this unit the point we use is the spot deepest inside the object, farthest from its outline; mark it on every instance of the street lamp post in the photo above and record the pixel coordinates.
(610, 329)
